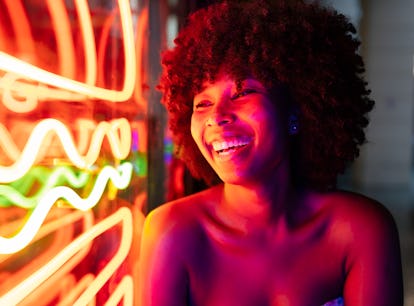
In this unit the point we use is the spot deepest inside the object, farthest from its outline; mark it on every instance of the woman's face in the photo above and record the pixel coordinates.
(238, 130)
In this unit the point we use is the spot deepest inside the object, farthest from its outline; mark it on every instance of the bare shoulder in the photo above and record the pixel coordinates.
(372, 258)
(179, 217)
(358, 211)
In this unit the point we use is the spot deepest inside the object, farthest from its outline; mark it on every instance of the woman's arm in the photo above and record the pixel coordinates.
(373, 265)
(163, 279)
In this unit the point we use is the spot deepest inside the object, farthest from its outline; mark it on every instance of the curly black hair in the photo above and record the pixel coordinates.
(309, 49)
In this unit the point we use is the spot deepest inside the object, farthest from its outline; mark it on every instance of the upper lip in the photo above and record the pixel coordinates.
(229, 141)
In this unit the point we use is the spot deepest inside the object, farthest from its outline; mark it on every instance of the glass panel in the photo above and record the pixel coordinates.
(73, 149)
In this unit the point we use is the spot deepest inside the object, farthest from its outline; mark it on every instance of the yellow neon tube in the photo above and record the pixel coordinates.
(115, 262)
(15, 194)
(27, 71)
(88, 40)
(21, 27)
(118, 133)
(122, 216)
(124, 290)
(120, 180)
(63, 35)
(49, 227)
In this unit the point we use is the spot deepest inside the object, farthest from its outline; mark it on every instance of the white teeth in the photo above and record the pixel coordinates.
(219, 146)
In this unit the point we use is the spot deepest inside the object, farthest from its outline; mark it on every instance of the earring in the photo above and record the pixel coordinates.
(293, 125)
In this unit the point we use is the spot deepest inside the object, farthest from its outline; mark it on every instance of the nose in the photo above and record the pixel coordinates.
(220, 115)
(219, 120)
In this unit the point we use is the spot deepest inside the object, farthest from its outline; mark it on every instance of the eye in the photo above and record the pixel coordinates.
(202, 104)
(242, 93)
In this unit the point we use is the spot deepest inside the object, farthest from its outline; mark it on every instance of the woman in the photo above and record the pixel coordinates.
(267, 104)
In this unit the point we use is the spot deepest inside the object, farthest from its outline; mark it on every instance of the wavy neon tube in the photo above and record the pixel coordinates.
(118, 133)
(25, 70)
(87, 219)
(120, 180)
(122, 216)
(15, 193)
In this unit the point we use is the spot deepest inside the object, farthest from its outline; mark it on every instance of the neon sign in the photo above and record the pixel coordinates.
(72, 185)
(73, 90)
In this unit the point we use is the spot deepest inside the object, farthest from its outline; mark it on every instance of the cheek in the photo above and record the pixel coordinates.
(196, 130)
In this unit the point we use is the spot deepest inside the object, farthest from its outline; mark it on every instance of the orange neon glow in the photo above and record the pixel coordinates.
(54, 225)
(21, 27)
(65, 47)
(89, 40)
(73, 165)
(141, 30)
(25, 71)
(120, 180)
(30, 272)
(118, 132)
(71, 295)
(124, 217)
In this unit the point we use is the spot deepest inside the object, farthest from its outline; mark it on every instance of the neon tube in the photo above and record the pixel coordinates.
(84, 18)
(120, 145)
(25, 235)
(25, 70)
(21, 27)
(71, 296)
(114, 263)
(123, 216)
(51, 226)
(124, 291)
(142, 27)
(14, 195)
(63, 35)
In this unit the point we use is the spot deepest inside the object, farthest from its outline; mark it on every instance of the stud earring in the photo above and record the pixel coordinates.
(293, 125)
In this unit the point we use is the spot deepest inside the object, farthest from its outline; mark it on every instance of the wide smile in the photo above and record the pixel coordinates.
(230, 146)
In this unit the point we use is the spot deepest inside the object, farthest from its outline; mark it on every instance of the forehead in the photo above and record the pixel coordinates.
(226, 81)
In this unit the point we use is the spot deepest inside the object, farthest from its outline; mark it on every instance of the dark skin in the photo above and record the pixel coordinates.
(256, 239)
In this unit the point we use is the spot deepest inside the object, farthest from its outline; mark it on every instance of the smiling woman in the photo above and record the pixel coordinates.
(267, 104)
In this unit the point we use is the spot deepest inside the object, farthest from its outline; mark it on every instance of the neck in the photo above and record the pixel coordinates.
(260, 202)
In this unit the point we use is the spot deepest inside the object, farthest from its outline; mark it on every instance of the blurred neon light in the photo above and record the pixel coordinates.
(51, 226)
(15, 193)
(119, 179)
(59, 242)
(118, 132)
(86, 26)
(85, 128)
(21, 27)
(122, 216)
(71, 296)
(28, 71)
(142, 27)
(124, 291)
(63, 36)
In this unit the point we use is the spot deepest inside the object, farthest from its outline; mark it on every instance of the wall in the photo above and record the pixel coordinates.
(387, 30)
